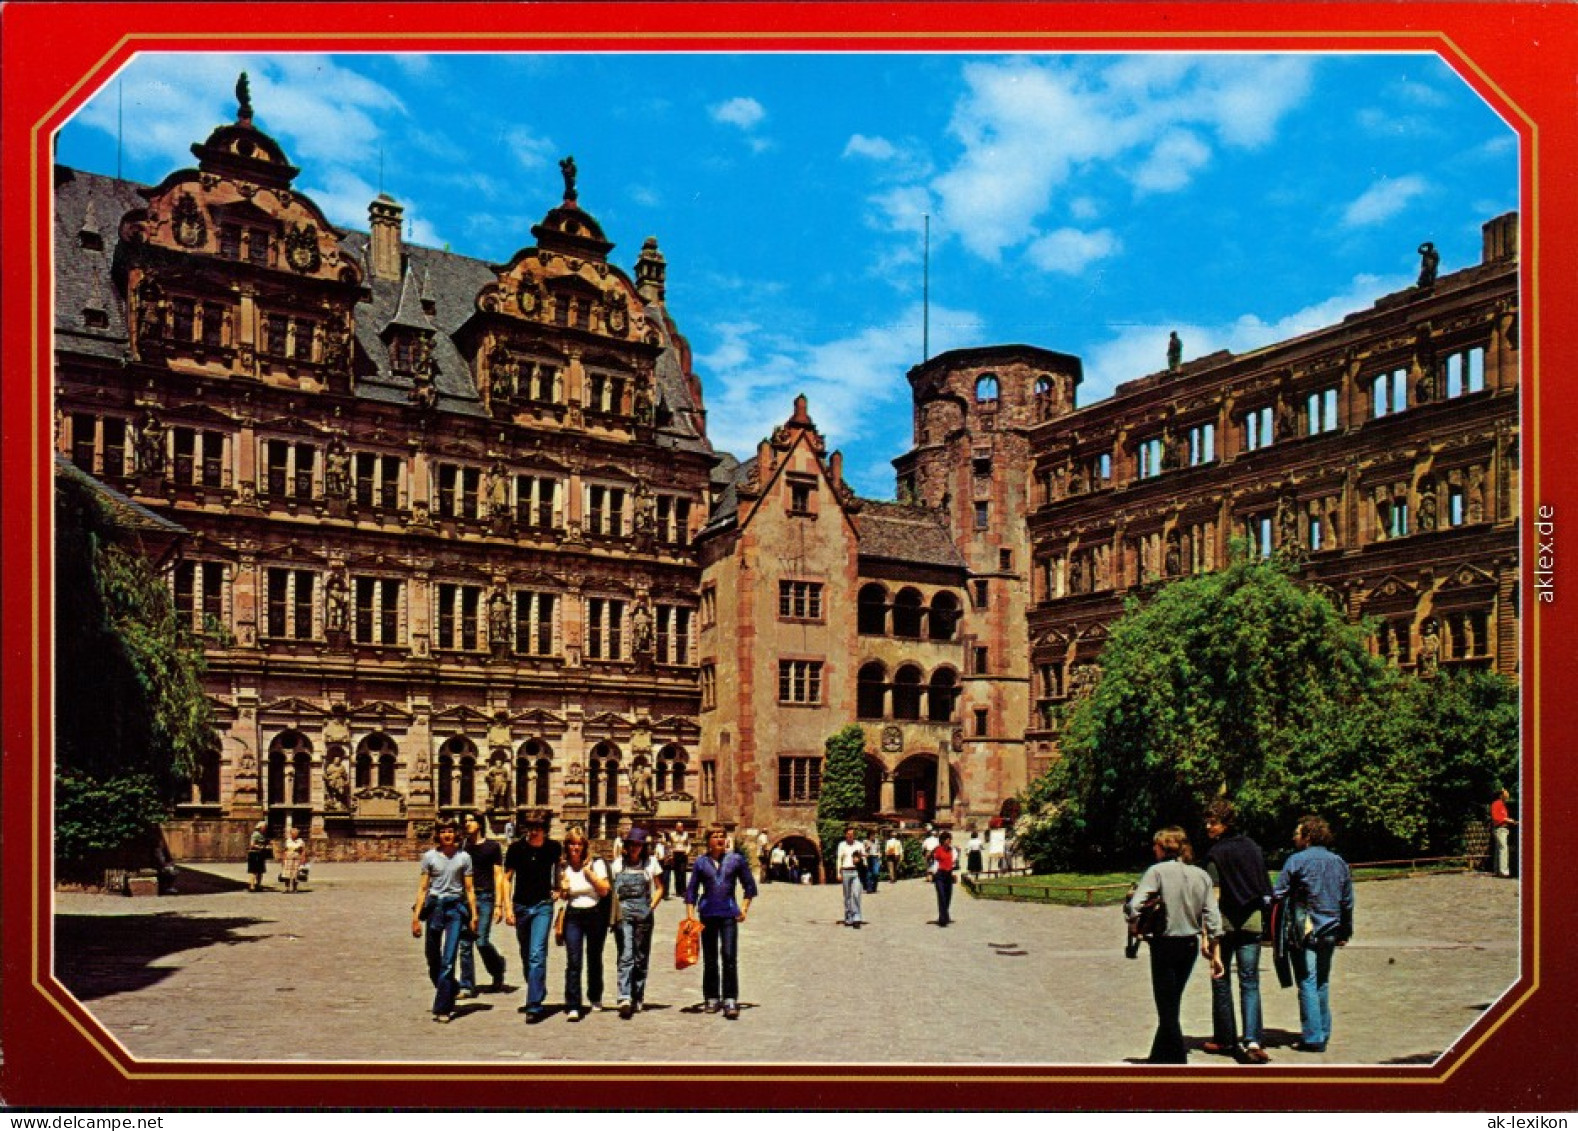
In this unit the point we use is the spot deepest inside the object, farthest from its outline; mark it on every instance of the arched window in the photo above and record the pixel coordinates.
(290, 749)
(941, 693)
(446, 781)
(872, 610)
(907, 693)
(602, 783)
(461, 754)
(944, 616)
(205, 786)
(907, 614)
(670, 770)
(376, 758)
(871, 691)
(533, 773)
(986, 390)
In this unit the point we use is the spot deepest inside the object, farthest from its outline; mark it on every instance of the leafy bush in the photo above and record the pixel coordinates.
(843, 796)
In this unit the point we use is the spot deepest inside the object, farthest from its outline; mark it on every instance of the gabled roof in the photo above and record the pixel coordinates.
(905, 532)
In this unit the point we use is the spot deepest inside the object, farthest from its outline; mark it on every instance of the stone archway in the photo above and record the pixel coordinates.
(808, 859)
(915, 787)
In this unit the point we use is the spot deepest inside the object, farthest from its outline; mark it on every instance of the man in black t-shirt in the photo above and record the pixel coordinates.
(527, 893)
(487, 871)
(1238, 868)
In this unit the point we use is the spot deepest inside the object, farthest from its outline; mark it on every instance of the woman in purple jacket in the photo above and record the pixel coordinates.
(710, 894)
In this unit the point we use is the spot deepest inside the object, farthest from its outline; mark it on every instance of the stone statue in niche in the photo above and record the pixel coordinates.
(336, 605)
(150, 444)
(337, 782)
(641, 626)
(499, 782)
(1173, 564)
(1427, 509)
(1174, 352)
(337, 470)
(641, 787)
(1429, 649)
(1476, 494)
(499, 622)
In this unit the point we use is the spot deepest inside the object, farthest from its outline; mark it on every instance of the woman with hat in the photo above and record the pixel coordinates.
(258, 852)
(638, 886)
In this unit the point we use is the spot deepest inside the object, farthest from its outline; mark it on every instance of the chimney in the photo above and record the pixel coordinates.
(650, 271)
(835, 467)
(1501, 239)
(384, 217)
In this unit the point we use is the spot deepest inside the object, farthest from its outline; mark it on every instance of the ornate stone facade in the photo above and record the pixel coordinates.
(441, 511)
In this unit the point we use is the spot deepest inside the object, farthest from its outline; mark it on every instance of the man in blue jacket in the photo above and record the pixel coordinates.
(1320, 888)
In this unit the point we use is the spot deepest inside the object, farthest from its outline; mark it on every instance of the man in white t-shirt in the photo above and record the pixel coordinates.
(929, 846)
(849, 855)
(893, 852)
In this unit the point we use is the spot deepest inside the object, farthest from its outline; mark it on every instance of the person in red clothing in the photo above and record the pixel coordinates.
(945, 858)
(1501, 829)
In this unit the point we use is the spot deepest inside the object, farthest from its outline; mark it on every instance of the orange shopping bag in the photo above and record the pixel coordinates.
(687, 945)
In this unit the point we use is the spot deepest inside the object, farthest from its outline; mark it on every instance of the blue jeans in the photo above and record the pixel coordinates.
(633, 941)
(492, 960)
(852, 888)
(943, 882)
(1244, 948)
(533, 922)
(585, 932)
(1172, 959)
(442, 941)
(720, 940)
(1312, 973)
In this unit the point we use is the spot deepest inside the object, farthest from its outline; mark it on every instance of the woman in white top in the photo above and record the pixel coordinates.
(1193, 925)
(583, 927)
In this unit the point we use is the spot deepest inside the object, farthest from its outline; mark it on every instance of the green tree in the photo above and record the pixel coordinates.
(132, 719)
(843, 796)
(1244, 683)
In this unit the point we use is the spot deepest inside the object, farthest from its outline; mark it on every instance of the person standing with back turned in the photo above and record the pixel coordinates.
(1238, 868)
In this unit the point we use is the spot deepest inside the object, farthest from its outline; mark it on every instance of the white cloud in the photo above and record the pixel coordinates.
(1084, 208)
(1026, 128)
(344, 198)
(1069, 250)
(876, 148)
(1178, 156)
(531, 151)
(754, 372)
(1383, 200)
(747, 113)
(1139, 350)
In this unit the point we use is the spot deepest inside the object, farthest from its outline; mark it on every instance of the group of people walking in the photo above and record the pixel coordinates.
(858, 863)
(1223, 911)
(469, 883)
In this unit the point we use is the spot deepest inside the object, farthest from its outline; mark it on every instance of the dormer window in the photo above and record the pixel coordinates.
(257, 247)
(402, 354)
(230, 241)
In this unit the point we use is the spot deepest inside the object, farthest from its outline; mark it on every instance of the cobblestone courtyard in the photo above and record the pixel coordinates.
(333, 973)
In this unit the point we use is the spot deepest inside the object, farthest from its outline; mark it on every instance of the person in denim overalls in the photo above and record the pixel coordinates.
(638, 882)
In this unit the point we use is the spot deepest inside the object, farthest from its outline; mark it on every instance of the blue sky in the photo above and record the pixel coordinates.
(1084, 203)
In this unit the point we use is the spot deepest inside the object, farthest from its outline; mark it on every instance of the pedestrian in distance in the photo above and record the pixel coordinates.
(1243, 893)
(710, 896)
(1319, 890)
(944, 863)
(584, 887)
(259, 852)
(487, 876)
(1193, 925)
(292, 860)
(893, 854)
(1501, 824)
(446, 902)
(638, 887)
(974, 851)
(849, 859)
(929, 846)
(528, 893)
(678, 878)
(871, 862)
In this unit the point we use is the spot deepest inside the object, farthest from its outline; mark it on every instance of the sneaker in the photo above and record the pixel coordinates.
(712, 1005)
(731, 1011)
(1302, 1046)
(625, 1009)
(471, 993)
(574, 1014)
(1254, 1054)
(536, 1018)
(443, 1018)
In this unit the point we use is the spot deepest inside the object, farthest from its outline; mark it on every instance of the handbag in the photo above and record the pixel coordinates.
(687, 944)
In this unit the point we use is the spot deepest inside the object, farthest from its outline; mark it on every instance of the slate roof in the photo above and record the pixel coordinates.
(84, 280)
(129, 517)
(903, 532)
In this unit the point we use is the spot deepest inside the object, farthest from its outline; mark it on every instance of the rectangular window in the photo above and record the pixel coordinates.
(199, 592)
(709, 687)
(378, 610)
(1257, 429)
(980, 657)
(982, 722)
(199, 457)
(800, 492)
(306, 457)
(673, 520)
(983, 515)
(290, 603)
(114, 445)
(276, 334)
(534, 623)
(1257, 528)
(673, 634)
(1005, 560)
(83, 442)
(1317, 533)
(257, 248)
(459, 489)
(535, 496)
(183, 312)
(301, 346)
(605, 510)
(1455, 514)
(1202, 444)
(1392, 518)
(799, 780)
(1465, 372)
(230, 241)
(1321, 409)
(213, 324)
(981, 464)
(709, 605)
(982, 594)
(709, 783)
(1389, 393)
(800, 600)
(799, 681)
(1150, 458)
(458, 607)
(278, 458)
(604, 629)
